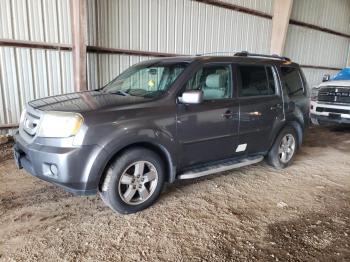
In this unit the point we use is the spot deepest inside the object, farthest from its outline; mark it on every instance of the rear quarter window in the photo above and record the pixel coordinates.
(292, 81)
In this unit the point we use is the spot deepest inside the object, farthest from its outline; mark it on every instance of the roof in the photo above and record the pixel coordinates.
(233, 59)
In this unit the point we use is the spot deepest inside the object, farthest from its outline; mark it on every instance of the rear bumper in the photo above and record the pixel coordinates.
(329, 114)
(75, 169)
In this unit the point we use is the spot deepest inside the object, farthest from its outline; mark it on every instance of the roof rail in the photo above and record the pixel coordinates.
(218, 52)
(247, 54)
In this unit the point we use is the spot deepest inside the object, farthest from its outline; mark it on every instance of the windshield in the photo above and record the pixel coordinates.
(145, 80)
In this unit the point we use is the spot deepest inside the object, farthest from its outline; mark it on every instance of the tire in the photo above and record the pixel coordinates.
(280, 155)
(133, 181)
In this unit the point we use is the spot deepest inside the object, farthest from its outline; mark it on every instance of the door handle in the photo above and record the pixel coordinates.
(276, 107)
(227, 114)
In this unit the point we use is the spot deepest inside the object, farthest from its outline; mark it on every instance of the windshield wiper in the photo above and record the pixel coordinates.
(119, 92)
(152, 94)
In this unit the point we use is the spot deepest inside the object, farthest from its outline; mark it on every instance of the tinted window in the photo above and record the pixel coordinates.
(255, 81)
(213, 80)
(292, 81)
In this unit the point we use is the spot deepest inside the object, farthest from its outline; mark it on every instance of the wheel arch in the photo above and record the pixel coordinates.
(160, 150)
(299, 130)
(297, 126)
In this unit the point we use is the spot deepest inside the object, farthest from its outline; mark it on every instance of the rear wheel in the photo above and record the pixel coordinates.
(282, 153)
(134, 181)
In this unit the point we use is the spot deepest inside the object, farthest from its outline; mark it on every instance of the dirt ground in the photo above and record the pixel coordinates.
(254, 213)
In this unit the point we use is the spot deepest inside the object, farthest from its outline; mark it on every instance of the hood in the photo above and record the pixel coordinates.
(84, 101)
(340, 83)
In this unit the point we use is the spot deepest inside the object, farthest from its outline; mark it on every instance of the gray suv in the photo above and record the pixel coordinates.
(163, 120)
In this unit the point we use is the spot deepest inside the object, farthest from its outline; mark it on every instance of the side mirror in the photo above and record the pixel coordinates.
(326, 78)
(192, 97)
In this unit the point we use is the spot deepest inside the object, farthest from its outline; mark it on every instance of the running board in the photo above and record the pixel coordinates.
(221, 167)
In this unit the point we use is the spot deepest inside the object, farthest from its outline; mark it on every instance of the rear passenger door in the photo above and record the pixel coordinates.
(261, 106)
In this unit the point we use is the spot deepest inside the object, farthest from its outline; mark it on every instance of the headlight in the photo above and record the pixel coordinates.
(314, 93)
(60, 124)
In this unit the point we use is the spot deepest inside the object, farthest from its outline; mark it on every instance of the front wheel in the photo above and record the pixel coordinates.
(282, 153)
(134, 181)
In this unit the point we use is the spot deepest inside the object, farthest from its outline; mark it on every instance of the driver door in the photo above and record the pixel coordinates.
(208, 131)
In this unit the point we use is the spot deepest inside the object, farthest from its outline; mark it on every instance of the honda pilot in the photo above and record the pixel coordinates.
(163, 120)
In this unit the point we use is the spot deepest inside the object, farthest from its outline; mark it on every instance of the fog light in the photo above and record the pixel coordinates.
(54, 170)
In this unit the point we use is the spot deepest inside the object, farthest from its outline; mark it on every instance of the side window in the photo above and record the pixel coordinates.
(292, 81)
(254, 80)
(213, 80)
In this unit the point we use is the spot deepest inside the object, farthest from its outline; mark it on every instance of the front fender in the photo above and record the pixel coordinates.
(125, 136)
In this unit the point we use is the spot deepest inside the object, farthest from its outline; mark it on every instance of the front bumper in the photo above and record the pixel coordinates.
(75, 169)
(323, 114)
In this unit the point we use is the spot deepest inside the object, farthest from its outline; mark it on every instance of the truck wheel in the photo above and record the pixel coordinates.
(282, 153)
(134, 181)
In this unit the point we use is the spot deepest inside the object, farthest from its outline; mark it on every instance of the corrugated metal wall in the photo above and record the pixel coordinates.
(26, 74)
(314, 76)
(36, 20)
(189, 27)
(313, 47)
(173, 26)
(104, 67)
(325, 13)
(265, 6)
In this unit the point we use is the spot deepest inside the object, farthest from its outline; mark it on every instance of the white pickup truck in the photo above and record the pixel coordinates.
(330, 101)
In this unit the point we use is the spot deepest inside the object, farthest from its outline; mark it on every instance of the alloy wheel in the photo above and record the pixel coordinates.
(138, 182)
(287, 148)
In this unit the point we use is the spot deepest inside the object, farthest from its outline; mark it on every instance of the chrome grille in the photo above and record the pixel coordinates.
(334, 94)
